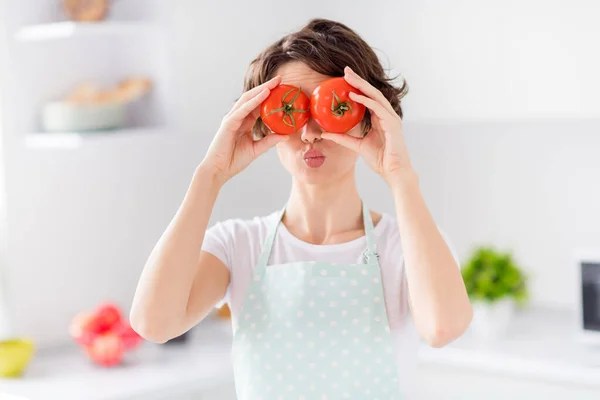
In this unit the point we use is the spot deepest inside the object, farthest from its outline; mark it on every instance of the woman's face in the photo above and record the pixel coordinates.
(305, 155)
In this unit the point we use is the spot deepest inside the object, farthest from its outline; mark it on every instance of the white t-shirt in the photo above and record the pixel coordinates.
(237, 243)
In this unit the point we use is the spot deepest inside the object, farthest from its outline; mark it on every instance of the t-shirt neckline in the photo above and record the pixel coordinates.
(362, 240)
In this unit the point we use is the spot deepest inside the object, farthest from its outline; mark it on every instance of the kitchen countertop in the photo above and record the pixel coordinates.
(199, 364)
(540, 345)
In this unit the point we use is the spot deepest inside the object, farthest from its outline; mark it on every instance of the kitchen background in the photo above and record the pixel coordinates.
(502, 122)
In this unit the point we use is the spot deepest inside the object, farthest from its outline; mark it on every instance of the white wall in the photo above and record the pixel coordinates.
(527, 186)
(479, 60)
(83, 223)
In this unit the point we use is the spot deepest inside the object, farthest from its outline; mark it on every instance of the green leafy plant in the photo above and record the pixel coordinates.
(491, 275)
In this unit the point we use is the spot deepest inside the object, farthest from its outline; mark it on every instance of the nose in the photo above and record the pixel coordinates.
(311, 132)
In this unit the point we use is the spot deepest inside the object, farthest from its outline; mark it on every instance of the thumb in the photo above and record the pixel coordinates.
(262, 145)
(344, 140)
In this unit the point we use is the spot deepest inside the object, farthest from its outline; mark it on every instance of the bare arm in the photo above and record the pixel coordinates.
(180, 284)
(161, 306)
(437, 295)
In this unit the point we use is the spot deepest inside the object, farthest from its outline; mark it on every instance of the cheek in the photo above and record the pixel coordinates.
(357, 131)
(348, 156)
(287, 151)
(341, 155)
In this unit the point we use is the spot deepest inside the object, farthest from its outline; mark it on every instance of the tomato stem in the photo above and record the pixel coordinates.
(341, 107)
(288, 109)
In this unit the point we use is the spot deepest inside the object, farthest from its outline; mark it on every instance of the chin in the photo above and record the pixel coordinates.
(316, 176)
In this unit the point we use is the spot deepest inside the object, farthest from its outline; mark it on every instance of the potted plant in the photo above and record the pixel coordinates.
(496, 285)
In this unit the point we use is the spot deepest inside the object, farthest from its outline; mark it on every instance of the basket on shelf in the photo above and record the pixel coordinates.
(86, 10)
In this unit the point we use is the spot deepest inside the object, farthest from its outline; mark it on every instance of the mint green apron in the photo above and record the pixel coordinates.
(315, 330)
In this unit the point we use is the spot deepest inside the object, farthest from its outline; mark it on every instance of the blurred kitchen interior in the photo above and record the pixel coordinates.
(503, 126)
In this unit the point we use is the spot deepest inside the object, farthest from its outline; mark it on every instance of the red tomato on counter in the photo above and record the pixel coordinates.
(131, 339)
(105, 334)
(106, 350)
(81, 328)
(107, 316)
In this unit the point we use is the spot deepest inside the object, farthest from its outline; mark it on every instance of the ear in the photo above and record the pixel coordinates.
(366, 123)
(260, 130)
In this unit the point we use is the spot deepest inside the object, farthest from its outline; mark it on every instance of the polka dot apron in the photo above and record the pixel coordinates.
(315, 330)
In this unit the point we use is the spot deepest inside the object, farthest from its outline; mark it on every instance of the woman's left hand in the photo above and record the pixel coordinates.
(383, 148)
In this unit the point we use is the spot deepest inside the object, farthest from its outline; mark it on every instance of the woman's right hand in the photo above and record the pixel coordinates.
(233, 147)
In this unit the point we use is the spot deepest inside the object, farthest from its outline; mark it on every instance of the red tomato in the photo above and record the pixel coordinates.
(82, 328)
(286, 110)
(107, 316)
(130, 338)
(106, 350)
(332, 108)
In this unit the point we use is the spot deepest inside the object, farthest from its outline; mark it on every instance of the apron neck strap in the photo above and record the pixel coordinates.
(370, 254)
(368, 223)
(265, 254)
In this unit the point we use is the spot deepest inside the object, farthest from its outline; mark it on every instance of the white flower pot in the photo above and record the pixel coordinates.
(492, 320)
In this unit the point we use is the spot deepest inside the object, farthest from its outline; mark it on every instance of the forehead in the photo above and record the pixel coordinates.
(298, 74)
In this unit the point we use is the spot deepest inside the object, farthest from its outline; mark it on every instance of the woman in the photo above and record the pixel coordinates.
(319, 290)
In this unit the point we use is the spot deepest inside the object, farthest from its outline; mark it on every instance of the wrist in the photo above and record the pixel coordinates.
(211, 176)
(404, 180)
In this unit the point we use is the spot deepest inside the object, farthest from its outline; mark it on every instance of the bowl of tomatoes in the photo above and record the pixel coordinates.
(104, 334)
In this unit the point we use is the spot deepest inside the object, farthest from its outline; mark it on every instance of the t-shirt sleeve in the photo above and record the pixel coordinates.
(218, 240)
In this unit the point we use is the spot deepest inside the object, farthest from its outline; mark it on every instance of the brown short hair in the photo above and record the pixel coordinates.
(327, 47)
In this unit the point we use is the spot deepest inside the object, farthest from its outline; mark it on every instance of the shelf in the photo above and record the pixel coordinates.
(68, 29)
(71, 140)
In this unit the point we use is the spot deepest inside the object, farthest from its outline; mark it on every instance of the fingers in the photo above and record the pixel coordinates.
(361, 84)
(237, 117)
(261, 146)
(270, 84)
(371, 104)
(344, 140)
